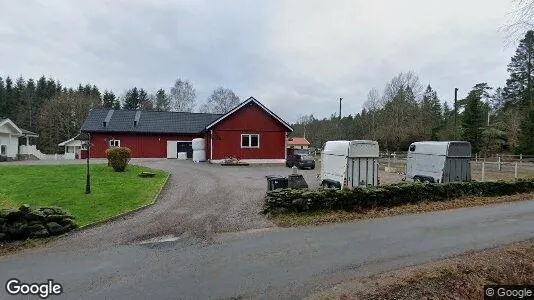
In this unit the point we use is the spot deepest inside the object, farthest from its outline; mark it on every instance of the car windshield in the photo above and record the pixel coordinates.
(302, 151)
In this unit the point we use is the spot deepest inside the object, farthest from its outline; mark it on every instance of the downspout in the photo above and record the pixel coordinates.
(285, 147)
(211, 145)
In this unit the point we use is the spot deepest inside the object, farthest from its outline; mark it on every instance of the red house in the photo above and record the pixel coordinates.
(249, 132)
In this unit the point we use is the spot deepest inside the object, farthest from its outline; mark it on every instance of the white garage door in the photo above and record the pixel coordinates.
(172, 149)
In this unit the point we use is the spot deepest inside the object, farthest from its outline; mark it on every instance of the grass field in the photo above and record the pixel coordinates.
(112, 192)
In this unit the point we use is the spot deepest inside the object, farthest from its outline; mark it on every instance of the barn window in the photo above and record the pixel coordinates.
(3, 150)
(114, 143)
(250, 141)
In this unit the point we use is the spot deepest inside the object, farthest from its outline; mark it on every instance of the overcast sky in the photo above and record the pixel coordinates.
(296, 57)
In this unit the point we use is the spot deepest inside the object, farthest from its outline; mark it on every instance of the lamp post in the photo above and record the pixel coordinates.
(88, 178)
(455, 111)
(340, 107)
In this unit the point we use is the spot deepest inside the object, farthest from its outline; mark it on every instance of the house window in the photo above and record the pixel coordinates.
(250, 141)
(114, 143)
(3, 150)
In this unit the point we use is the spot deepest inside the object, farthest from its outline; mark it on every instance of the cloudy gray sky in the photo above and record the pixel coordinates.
(296, 56)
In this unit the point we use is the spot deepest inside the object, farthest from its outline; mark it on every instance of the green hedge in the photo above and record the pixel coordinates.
(387, 195)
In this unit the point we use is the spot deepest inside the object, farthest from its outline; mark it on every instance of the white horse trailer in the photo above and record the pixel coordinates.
(439, 161)
(349, 164)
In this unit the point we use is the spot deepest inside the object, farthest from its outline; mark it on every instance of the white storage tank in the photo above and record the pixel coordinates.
(199, 144)
(199, 155)
(182, 155)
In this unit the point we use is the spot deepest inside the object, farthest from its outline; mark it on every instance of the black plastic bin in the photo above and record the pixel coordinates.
(276, 182)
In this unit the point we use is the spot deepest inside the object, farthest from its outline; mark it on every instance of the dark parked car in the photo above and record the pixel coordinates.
(301, 161)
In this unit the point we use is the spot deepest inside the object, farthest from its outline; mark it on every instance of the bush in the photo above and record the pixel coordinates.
(387, 195)
(118, 158)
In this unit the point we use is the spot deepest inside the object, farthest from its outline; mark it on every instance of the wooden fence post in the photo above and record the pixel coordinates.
(499, 157)
(515, 170)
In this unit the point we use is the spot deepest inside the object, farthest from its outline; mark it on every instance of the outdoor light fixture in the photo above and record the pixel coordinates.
(87, 145)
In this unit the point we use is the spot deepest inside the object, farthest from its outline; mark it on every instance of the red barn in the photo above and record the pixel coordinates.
(249, 132)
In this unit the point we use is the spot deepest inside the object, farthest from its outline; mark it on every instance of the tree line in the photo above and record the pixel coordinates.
(57, 113)
(491, 119)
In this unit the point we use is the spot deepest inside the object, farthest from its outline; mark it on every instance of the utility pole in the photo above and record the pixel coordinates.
(340, 107)
(455, 112)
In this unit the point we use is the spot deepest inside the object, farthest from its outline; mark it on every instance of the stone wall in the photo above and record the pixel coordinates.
(24, 222)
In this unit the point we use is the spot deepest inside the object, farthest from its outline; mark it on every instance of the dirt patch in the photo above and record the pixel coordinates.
(15, 246)
(316, 218)
(461, 277)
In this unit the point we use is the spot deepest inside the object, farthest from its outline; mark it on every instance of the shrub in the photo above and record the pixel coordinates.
(118, 158)
(387, 195)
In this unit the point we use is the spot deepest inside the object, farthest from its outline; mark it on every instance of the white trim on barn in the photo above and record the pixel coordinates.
(250, 99)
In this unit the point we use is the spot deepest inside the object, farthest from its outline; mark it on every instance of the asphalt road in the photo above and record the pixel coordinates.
(270, 263)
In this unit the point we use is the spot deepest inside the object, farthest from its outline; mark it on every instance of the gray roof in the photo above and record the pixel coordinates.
(28, 133)
(149, 121)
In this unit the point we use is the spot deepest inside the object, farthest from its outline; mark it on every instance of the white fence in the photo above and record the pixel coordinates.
(32, 150)
(493, 167)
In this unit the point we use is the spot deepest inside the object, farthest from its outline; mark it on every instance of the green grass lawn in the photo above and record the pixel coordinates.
(112, 192)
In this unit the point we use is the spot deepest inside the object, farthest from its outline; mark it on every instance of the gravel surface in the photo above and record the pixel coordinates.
(199, 200)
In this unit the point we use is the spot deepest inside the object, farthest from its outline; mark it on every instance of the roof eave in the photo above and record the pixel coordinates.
(241, 105)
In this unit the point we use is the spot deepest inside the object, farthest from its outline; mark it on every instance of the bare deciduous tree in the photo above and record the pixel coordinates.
(183, 96)
(520, 20)
(220, 101)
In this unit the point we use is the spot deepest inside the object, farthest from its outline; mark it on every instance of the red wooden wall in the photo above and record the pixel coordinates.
(249, 119)
(142, 145)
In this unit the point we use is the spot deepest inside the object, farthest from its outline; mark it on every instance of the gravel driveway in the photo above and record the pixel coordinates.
(199, 201)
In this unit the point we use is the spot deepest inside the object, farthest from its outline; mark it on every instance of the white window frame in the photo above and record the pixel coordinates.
(113, 143)
(250, 140)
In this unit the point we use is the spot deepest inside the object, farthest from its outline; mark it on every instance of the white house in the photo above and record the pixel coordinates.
(9, 138)
(73, 147)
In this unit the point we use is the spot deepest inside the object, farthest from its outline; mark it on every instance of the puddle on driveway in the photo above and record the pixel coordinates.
(161, 239)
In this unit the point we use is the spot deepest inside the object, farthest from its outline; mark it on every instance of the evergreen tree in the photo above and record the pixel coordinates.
(131, 99)
(117, 104)
(162, 101)
(144, 101)
(2, 97)
(519, 90)
(8, 94)
(431, 113)
(526, 133)
(108, 99)
(473, 117)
